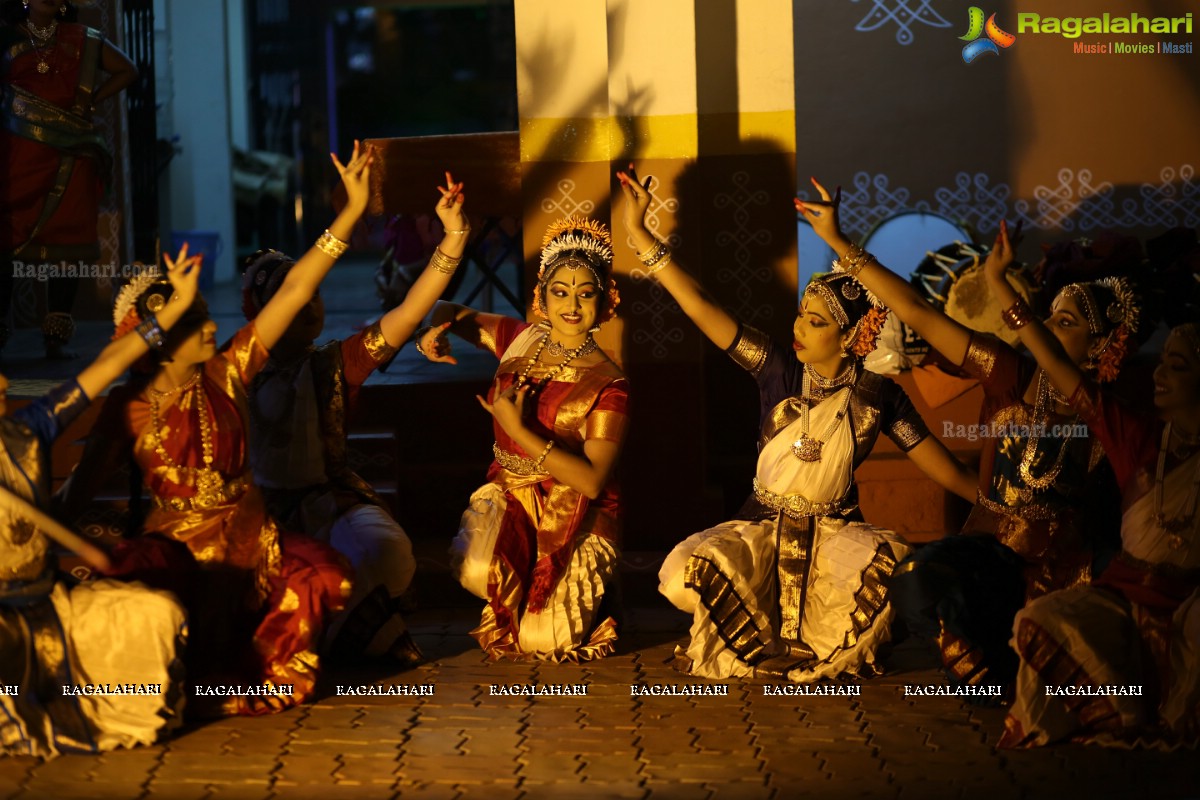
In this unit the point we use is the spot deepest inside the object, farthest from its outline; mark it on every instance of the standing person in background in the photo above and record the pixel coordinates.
(56, 163)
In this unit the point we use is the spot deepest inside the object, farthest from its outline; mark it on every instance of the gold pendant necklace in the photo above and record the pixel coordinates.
(806, 448)
(43, 35)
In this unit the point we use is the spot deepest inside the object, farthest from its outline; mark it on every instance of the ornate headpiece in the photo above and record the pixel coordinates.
(853, 307)
(262, 275)
(1118, 315)
(146, 294)
(576, 242)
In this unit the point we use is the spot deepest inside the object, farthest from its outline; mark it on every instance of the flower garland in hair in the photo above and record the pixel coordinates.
(868, 334)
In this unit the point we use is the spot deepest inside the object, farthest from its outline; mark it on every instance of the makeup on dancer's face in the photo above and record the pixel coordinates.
(1177, 376)
(1067, 323)
(572, 300)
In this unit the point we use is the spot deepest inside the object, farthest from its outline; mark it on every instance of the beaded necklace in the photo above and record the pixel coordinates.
(588, 346)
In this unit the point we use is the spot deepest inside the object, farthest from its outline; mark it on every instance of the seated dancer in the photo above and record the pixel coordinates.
(53, 634)
(795, 588)
(1138, 624)
(263, 597)
(539, 539)
(298, 407)
(1024, 537)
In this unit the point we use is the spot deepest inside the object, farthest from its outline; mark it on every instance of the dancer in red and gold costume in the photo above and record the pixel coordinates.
(55, 160)
(539, 540)
(263, 597)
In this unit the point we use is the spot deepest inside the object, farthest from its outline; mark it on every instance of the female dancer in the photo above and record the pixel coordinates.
(1024, 537)
(53, 635)
(298, 406)
(1138, 625)
(539, 539)
(263, 597)
(56, 161)
(795, 589)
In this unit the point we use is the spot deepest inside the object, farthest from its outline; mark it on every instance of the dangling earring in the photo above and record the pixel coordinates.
(26, 4)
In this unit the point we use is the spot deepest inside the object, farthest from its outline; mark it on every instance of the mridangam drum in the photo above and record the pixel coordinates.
(953, 279)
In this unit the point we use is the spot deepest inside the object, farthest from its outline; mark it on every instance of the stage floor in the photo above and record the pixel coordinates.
(464, 742)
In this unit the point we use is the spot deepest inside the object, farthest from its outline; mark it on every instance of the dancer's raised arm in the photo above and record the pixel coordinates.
(943, 334)
(184, 274)
(399, 323)
(1049, 352)
(304, 278)
(713, 321)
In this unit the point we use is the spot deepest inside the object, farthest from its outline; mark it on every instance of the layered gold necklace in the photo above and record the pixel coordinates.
(1041, 422)
(207, 481)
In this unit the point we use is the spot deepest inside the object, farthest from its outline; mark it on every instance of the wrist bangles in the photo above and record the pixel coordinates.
(656, 258)
(151, 332)
(1018, 315)
(443, 263)
(418, 336)
(330, 245)
(853, 262)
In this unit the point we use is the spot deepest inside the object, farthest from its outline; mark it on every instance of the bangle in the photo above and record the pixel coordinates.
(444, 263)
(151, 332)
(654, 254)
(463, 232)
(542, 458)
(853, 262)
(418, 336)
(1018, 315)
(660, 266)
(331, 246)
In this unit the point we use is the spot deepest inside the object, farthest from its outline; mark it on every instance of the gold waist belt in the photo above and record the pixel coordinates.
(1027, 512)
(222, 495)
(515, 463)
(796, 506)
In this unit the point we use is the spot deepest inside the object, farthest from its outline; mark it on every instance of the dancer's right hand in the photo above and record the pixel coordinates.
(356, 176)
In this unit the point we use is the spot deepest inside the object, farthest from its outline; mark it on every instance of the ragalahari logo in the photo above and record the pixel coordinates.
(996, 37)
